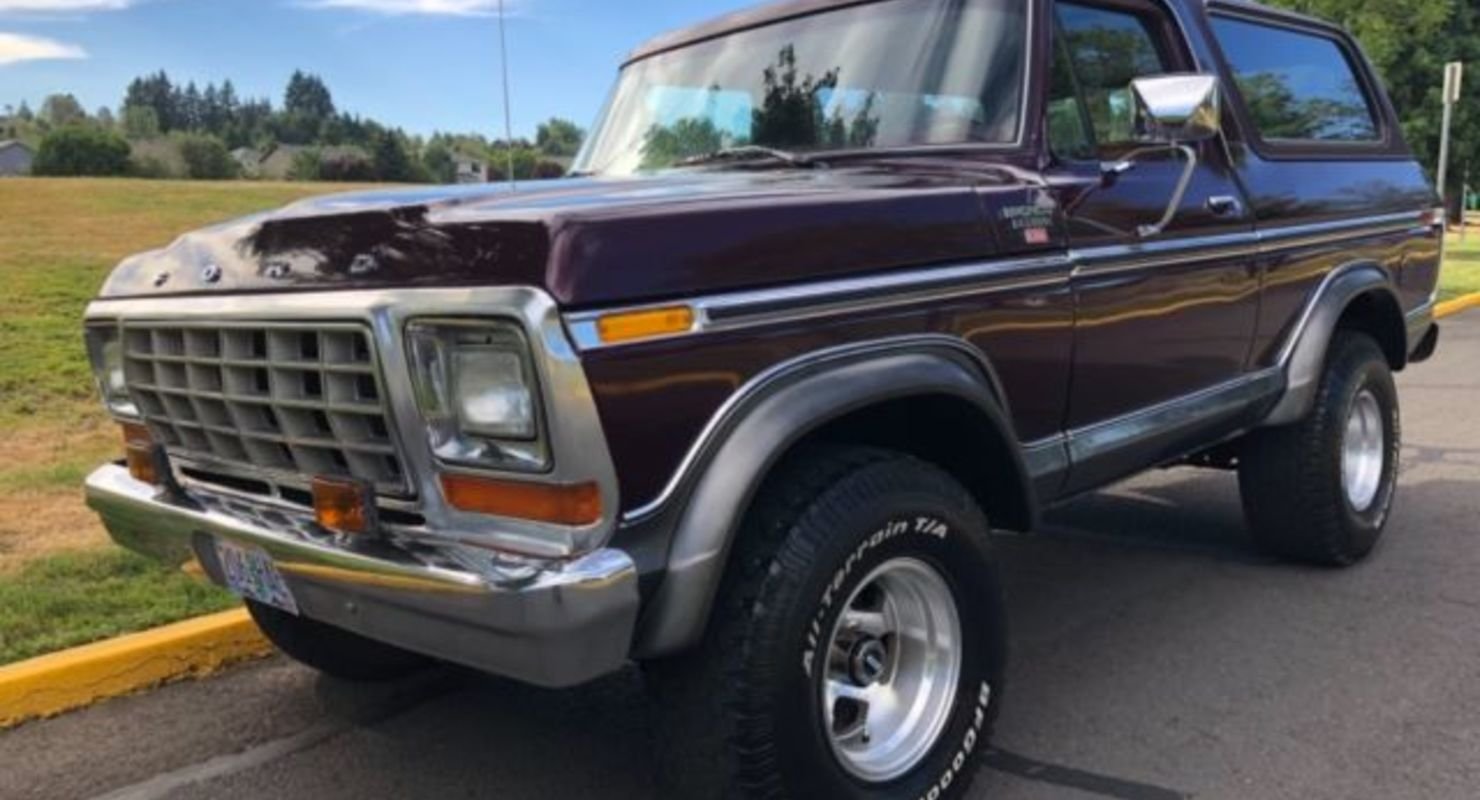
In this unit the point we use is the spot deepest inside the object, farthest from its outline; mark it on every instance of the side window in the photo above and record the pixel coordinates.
(1106, 50)
(1069, 133)
(1297, 87)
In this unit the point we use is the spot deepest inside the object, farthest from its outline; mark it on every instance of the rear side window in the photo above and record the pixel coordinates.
(1297, 86)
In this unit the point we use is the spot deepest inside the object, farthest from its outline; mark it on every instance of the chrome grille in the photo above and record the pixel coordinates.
(279, 402)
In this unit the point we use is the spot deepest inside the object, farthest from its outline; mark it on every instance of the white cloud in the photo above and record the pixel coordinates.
(45, 6)
(16, 47)
(454, 8)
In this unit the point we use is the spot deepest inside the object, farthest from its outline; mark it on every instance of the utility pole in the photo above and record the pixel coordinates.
(1453, 78)
(503, 51)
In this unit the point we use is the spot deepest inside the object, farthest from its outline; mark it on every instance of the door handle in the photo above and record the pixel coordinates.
(1224, 205)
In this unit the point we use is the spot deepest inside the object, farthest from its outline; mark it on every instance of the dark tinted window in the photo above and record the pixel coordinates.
(1297, 86)
(1107, 50)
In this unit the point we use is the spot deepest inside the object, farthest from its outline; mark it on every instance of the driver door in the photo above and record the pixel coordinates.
(1160, 318)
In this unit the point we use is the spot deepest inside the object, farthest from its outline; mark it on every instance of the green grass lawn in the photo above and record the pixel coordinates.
(65, 600)
(1461, 267)
(61, 582)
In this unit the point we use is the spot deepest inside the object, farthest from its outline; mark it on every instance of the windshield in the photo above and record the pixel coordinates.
(887, 74)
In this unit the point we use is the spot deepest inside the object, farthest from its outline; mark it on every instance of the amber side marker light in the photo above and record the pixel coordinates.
(344, 505)
(138, 453)
(576, 504)
(630, 325)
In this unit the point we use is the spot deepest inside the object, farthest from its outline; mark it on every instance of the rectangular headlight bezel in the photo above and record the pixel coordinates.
(436, 347)
(104, 342)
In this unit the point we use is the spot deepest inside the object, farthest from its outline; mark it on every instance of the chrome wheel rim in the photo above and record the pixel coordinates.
(893, 665)
(1363, 452)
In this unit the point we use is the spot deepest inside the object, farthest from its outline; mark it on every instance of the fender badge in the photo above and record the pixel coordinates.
(278, 270)
(211, 273)
(161, 279)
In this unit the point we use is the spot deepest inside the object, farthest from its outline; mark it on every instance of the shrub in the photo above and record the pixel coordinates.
(77, 150)
(545, 170)
(306, 166)
(206, 157)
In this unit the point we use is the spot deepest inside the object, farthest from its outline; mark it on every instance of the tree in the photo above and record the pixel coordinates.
(206, 157)
(392, 163)
(438, 163)
(308, 96)
(666, 145)
(61, 110)
(559, 137)
(140, 122)
(104, 118)
(158, 93)
(80, 150)
(24, 113)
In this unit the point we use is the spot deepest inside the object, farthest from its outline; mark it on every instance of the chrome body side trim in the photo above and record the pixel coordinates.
(576, 439)
(738, 310)
(746, 309)
(556, 623)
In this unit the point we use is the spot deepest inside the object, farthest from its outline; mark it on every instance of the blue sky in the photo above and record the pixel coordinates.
(422, 65)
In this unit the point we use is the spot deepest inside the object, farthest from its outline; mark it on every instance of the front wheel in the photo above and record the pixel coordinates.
(1321, 490)
(857, 647)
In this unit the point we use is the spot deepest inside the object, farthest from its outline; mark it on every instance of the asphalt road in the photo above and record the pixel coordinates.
(1156, 656)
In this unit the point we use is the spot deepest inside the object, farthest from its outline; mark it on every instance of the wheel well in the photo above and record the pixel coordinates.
(1377, 314)
(952, 433)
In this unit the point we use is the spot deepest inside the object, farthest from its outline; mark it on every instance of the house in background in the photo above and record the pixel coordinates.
(468, 169)
(15, 159)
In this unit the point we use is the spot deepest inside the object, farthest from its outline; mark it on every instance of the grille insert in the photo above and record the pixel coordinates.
(281, 401)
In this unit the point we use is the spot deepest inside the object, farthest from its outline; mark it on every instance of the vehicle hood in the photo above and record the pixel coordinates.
(597, 241)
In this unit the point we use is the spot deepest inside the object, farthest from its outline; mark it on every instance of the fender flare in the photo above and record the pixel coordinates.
(1303, 358)
(792, 402)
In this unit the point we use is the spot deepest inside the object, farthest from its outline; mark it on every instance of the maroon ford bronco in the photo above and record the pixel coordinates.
(835, 289)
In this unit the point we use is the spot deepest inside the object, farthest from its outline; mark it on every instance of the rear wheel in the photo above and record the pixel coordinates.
(1321, 490)
(857, 646)
(334, 651)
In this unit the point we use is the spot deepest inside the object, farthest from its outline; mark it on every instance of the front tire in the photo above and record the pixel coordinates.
(1321, 491)
(333, 651)
(857, 646)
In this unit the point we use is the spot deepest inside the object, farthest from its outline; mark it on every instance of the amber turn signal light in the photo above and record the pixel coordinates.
(630, 325)
(576, 504)
(344, 505)
(138, 453)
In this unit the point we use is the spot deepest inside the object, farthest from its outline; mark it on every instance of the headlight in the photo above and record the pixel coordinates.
(105, 351)
(476, 389)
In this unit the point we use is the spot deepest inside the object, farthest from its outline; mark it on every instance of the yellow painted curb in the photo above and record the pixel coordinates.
(1458, 304)
(52, 684)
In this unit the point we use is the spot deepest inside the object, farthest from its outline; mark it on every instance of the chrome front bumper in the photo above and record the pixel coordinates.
(552, 623)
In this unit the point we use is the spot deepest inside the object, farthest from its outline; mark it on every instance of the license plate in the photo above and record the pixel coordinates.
(251, 574)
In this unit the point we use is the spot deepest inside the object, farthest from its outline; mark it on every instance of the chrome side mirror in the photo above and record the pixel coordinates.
(1173, 112)
(1178, 109)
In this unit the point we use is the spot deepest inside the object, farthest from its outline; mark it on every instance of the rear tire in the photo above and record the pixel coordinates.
(334, 651)
(1321, 491)
(840, 549)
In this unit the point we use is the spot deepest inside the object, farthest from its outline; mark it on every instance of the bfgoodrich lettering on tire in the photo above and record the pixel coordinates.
(857, 645)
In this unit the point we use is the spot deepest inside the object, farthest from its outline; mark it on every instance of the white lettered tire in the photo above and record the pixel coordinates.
(857, 646)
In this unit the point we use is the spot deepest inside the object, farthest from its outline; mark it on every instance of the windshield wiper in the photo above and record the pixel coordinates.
(750, 152)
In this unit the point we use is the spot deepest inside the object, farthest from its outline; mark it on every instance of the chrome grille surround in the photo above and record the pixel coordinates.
(276, 401)
(577, 441)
